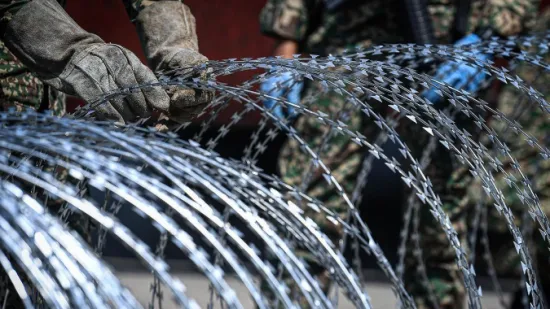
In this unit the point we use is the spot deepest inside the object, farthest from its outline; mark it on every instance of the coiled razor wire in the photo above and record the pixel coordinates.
(185, 188)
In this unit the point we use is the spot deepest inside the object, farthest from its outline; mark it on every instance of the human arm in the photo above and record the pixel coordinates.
(460, 75)
(287, 22)
(63, 55)
(490, 18)
(286, 49)
(283, 84)
(167, 32)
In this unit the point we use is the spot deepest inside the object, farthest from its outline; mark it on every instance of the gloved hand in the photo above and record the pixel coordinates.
(79, 63)
(459, 75)
(167, 33)
(285, 80)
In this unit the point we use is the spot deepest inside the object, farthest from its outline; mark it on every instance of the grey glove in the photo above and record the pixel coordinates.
(79, 63)
(169, 39)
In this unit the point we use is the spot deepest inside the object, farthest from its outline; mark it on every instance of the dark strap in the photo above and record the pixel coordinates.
(420, 21)
(45, 102)
(461, 18)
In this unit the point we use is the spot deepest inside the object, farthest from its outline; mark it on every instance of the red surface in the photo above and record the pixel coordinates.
(226, 29)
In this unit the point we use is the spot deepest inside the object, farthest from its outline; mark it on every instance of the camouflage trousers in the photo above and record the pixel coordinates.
(344, 159)
(341, 156)
(444, 285)
(536, 170)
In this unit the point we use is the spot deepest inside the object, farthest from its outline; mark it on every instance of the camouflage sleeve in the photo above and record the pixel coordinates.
(509, 17)
(285, 19)
(133, 7)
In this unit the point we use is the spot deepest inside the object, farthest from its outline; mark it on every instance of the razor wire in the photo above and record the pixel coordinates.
(185, 188)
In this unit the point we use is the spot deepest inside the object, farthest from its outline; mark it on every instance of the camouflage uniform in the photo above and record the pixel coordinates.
(535, 122)
(362, 23)
(21, 90)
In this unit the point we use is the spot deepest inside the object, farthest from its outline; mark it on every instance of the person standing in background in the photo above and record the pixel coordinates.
(325, 27)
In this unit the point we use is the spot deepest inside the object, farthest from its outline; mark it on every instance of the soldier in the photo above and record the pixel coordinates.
(534, 121)
(319, 27)
(44, 55)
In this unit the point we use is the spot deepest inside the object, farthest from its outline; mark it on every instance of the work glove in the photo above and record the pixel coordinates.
(460, 75)
(276, 86)
(79, 63)
(168, 36)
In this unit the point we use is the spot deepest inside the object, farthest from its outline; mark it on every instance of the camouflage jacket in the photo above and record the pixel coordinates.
(365, 22)
(19, 88)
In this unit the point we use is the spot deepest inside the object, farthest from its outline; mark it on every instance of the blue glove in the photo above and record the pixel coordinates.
(285, 80)
(459, 75)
